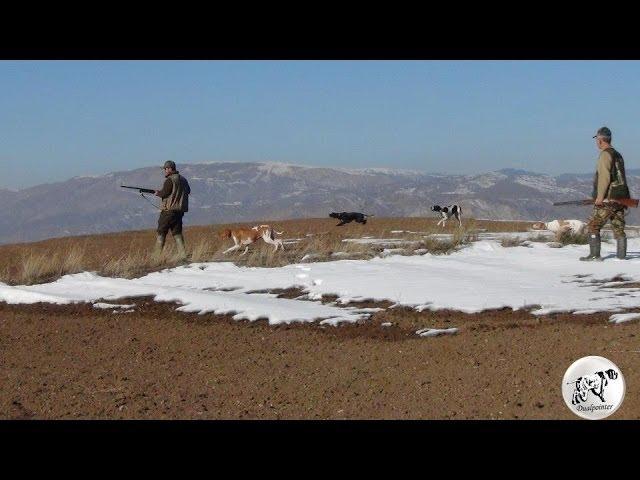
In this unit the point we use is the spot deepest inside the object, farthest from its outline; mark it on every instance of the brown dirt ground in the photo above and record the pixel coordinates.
(75, 361)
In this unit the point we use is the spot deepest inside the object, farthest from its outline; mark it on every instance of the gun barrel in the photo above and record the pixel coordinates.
(140, 189)
(627, 202)
(574, 202)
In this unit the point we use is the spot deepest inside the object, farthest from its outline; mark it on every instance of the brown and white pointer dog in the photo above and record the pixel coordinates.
(244, 236)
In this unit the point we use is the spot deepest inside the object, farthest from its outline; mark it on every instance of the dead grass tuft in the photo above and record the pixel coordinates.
(511, 242)
(571, 238)
(36, 267)
(135, 263)
(203, 251)
(539, 238)
(73, 262)
(41, 267)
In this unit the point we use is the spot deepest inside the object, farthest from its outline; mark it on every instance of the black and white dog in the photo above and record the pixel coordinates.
(347, 217)
(592, 383)
(447, 212)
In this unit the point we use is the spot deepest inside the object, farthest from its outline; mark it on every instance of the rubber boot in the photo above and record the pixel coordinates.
(159, 245)
(621, 248)
(182, 253)
(594, 249)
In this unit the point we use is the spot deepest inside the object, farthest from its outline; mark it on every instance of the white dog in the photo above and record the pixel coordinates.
(561, 226)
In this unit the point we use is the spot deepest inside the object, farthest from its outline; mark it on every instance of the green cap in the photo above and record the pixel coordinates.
(603, 132)
(170, 164)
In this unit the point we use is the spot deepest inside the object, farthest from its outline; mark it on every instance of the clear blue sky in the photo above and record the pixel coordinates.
(62, 119)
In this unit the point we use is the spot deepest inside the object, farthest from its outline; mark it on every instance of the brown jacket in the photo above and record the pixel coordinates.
(175, 193)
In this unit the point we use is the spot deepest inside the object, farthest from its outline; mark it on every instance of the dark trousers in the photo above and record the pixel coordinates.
(170, 220)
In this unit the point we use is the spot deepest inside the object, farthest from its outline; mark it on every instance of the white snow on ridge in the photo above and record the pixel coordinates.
(461, 190)
(486, 180)
(481, 276)
(277, 168)
(544, 183)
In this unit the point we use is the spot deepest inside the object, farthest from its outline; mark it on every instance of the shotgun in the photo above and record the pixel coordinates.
(140, 189)
(627, 202)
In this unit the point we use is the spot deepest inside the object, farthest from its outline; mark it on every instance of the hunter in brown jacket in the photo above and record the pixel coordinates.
(609, 182)
(175, 202)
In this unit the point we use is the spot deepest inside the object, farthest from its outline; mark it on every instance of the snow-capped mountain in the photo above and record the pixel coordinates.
(247, 192)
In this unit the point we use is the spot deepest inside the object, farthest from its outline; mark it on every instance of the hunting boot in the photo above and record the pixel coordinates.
(182, 253)
(594, 249)
(159, 245)
(621, 248)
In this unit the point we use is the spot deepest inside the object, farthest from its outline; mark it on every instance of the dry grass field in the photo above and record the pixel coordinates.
(129, 254)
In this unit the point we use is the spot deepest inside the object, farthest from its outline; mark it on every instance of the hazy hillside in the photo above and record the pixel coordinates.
(238, 192)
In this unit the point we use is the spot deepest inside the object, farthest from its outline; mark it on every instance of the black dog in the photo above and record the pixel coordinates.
(346, 217)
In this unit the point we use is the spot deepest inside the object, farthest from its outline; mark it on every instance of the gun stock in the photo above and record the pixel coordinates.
(627, 202)
(140, 189)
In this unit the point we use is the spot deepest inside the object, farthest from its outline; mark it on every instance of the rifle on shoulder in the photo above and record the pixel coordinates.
(140, 189)
(627, 202)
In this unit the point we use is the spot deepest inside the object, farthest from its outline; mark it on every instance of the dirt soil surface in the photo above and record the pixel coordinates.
(76, 361)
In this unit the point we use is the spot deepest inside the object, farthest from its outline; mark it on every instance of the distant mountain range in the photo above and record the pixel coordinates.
(248, 192)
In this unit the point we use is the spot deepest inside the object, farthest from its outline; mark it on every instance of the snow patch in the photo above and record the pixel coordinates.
(380, 241)
(105, 306)
(434, 332)
(623, 317)
(391, 251)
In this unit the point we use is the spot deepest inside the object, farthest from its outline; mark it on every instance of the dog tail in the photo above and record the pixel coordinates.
(279, 233)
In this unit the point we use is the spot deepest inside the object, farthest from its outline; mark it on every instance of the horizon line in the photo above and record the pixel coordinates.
(343, 169)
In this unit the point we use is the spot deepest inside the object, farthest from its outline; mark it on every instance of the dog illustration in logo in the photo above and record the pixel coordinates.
(592, 383)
